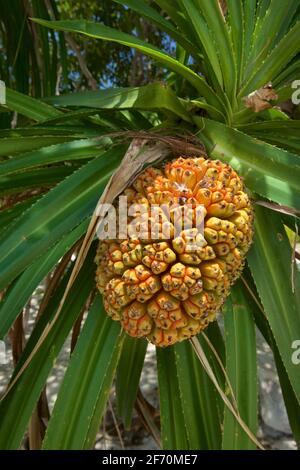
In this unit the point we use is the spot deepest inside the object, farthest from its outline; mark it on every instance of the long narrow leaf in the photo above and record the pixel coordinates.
(55, 214)
(270, 258)
(85, 389)
(128, 376)
(166, 26)
(100, 31)
(17, 406)
(153, 96)
(75, 150)
(275, 62)
(212, 13)
(290, 399)
(22, 289)
(204, 36)
(199, 399)
(242, 371)
(269, 171)
(15, 145)
(29, 107)
(173, 427)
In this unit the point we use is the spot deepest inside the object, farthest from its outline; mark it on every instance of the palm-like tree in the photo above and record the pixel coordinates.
(53, 171)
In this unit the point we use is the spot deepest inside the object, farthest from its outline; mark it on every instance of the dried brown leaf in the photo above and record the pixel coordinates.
(147, 414)
(223, 7)
(259, 100)
(279, 208)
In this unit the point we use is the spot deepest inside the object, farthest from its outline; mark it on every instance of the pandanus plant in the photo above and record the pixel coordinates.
(214, 134)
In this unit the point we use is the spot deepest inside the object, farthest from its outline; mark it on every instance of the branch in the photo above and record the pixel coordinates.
(81, 61)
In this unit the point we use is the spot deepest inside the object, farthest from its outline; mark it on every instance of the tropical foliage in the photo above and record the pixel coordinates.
(56, 159)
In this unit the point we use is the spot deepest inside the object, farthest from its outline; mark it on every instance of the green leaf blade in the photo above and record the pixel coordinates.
(270, 258)
(241, 368)
(85, 389)
(17, 406)
(60, 210)
(128, 376)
